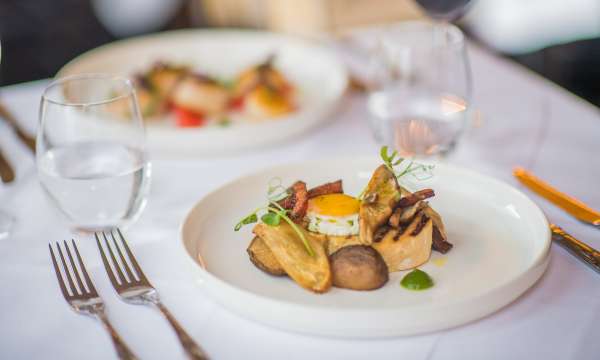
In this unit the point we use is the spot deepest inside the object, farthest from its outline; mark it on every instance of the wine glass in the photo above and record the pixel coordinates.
(6, 220)
(445, 10)
(420, 102)
(91, 151)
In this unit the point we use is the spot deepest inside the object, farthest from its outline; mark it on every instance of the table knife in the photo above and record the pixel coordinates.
(574, 207)
(7, 174)
(29, 141)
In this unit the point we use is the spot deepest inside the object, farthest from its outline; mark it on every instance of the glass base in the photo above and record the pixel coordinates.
(6, 224)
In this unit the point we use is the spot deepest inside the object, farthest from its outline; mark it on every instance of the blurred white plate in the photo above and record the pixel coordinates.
(319, 76)
(501, 248)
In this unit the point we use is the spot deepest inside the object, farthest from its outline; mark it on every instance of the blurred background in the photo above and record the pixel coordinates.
(558, 39)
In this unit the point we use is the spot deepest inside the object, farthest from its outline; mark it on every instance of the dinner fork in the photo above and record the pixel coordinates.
(136, 289)
(83, 298)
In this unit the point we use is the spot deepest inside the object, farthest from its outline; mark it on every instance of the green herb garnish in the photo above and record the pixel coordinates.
(400, 167)
(275, 212)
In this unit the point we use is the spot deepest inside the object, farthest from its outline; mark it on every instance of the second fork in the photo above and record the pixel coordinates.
(131, 284)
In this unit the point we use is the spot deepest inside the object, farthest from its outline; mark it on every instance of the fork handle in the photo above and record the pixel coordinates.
(193, 350)
(579, 249)
(122, 349)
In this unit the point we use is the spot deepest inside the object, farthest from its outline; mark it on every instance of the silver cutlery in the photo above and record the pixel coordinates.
(582, 251)
(83, 297)
(29, 141)
(579, 249)
(131, 284)
(7, 174)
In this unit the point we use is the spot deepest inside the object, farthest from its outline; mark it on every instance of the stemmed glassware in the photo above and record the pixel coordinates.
(422, 88)
(6, 220)
(91, 151)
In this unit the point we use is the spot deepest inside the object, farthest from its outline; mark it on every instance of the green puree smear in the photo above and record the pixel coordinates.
(417, 280)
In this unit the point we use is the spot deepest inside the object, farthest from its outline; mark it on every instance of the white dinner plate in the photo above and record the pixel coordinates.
(501, 248)
(319, 76)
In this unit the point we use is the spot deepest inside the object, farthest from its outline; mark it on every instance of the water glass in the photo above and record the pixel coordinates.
(421, 88)
(91, 151)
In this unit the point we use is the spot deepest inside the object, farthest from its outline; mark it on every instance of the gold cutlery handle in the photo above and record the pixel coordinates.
(579, 249)
(193, 350)
(7, 174)
(571, 205)
(122, 349)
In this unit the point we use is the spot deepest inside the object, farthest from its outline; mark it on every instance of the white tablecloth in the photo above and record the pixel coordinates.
(525, 120)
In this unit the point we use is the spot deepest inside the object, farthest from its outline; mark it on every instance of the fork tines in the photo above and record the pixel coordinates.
(77, 288)
(123, 270)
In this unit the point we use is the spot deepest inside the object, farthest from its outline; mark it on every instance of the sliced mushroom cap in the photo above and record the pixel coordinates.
(440, 239)
(381, 195)
(358, 267)
(409, 248)
(405, 215)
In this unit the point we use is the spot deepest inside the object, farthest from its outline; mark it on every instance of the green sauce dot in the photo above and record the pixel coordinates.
(416, 280)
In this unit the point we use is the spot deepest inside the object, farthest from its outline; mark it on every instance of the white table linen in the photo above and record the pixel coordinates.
(525, 120)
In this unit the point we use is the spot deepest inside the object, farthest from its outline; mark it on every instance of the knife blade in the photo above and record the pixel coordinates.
(7, 174)
(574, 207)
(29, 141)
(579, 249)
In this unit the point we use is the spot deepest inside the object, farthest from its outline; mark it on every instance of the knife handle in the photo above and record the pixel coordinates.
(577, 248)
(7, 174)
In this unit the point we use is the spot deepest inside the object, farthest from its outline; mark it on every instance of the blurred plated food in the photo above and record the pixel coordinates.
(207, 92)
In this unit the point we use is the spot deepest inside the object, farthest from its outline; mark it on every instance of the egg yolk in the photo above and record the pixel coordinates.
(334, 205)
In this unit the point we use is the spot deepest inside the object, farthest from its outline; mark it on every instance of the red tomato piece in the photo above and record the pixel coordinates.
(237, 103)
(185, 118)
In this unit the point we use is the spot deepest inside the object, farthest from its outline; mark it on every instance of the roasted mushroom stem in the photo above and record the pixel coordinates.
(408, 248)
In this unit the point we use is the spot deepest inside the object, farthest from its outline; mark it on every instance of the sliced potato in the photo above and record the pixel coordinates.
(409, 249)
(262, 257)
(310, 272)
(381, 195)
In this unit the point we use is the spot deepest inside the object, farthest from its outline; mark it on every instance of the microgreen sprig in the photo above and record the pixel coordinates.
(393, 160)
(395, 163)
(275, 212)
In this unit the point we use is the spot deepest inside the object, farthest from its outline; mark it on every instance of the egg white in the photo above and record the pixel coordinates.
(333, 225)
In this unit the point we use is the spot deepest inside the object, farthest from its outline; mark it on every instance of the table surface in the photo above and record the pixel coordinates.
(525, 120)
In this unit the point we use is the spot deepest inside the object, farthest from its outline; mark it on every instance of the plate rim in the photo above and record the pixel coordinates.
(540, 260)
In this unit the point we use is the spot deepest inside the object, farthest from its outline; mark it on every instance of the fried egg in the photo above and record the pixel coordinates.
(333, 214)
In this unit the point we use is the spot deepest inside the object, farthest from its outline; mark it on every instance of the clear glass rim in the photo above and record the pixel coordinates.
(88, 76)
(456, 37)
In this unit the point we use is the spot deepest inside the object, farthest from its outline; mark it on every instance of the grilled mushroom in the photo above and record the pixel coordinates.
(358, 267)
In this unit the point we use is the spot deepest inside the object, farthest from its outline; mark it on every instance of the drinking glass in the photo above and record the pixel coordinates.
(6, 220)
(422, 87)
(91, 151)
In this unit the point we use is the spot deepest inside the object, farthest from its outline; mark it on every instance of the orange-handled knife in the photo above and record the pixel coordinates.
(574, 207)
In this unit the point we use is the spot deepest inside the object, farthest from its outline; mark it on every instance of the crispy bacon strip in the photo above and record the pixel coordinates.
(297, 201)
(415, 197)
(438, 242)
(334, 187)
